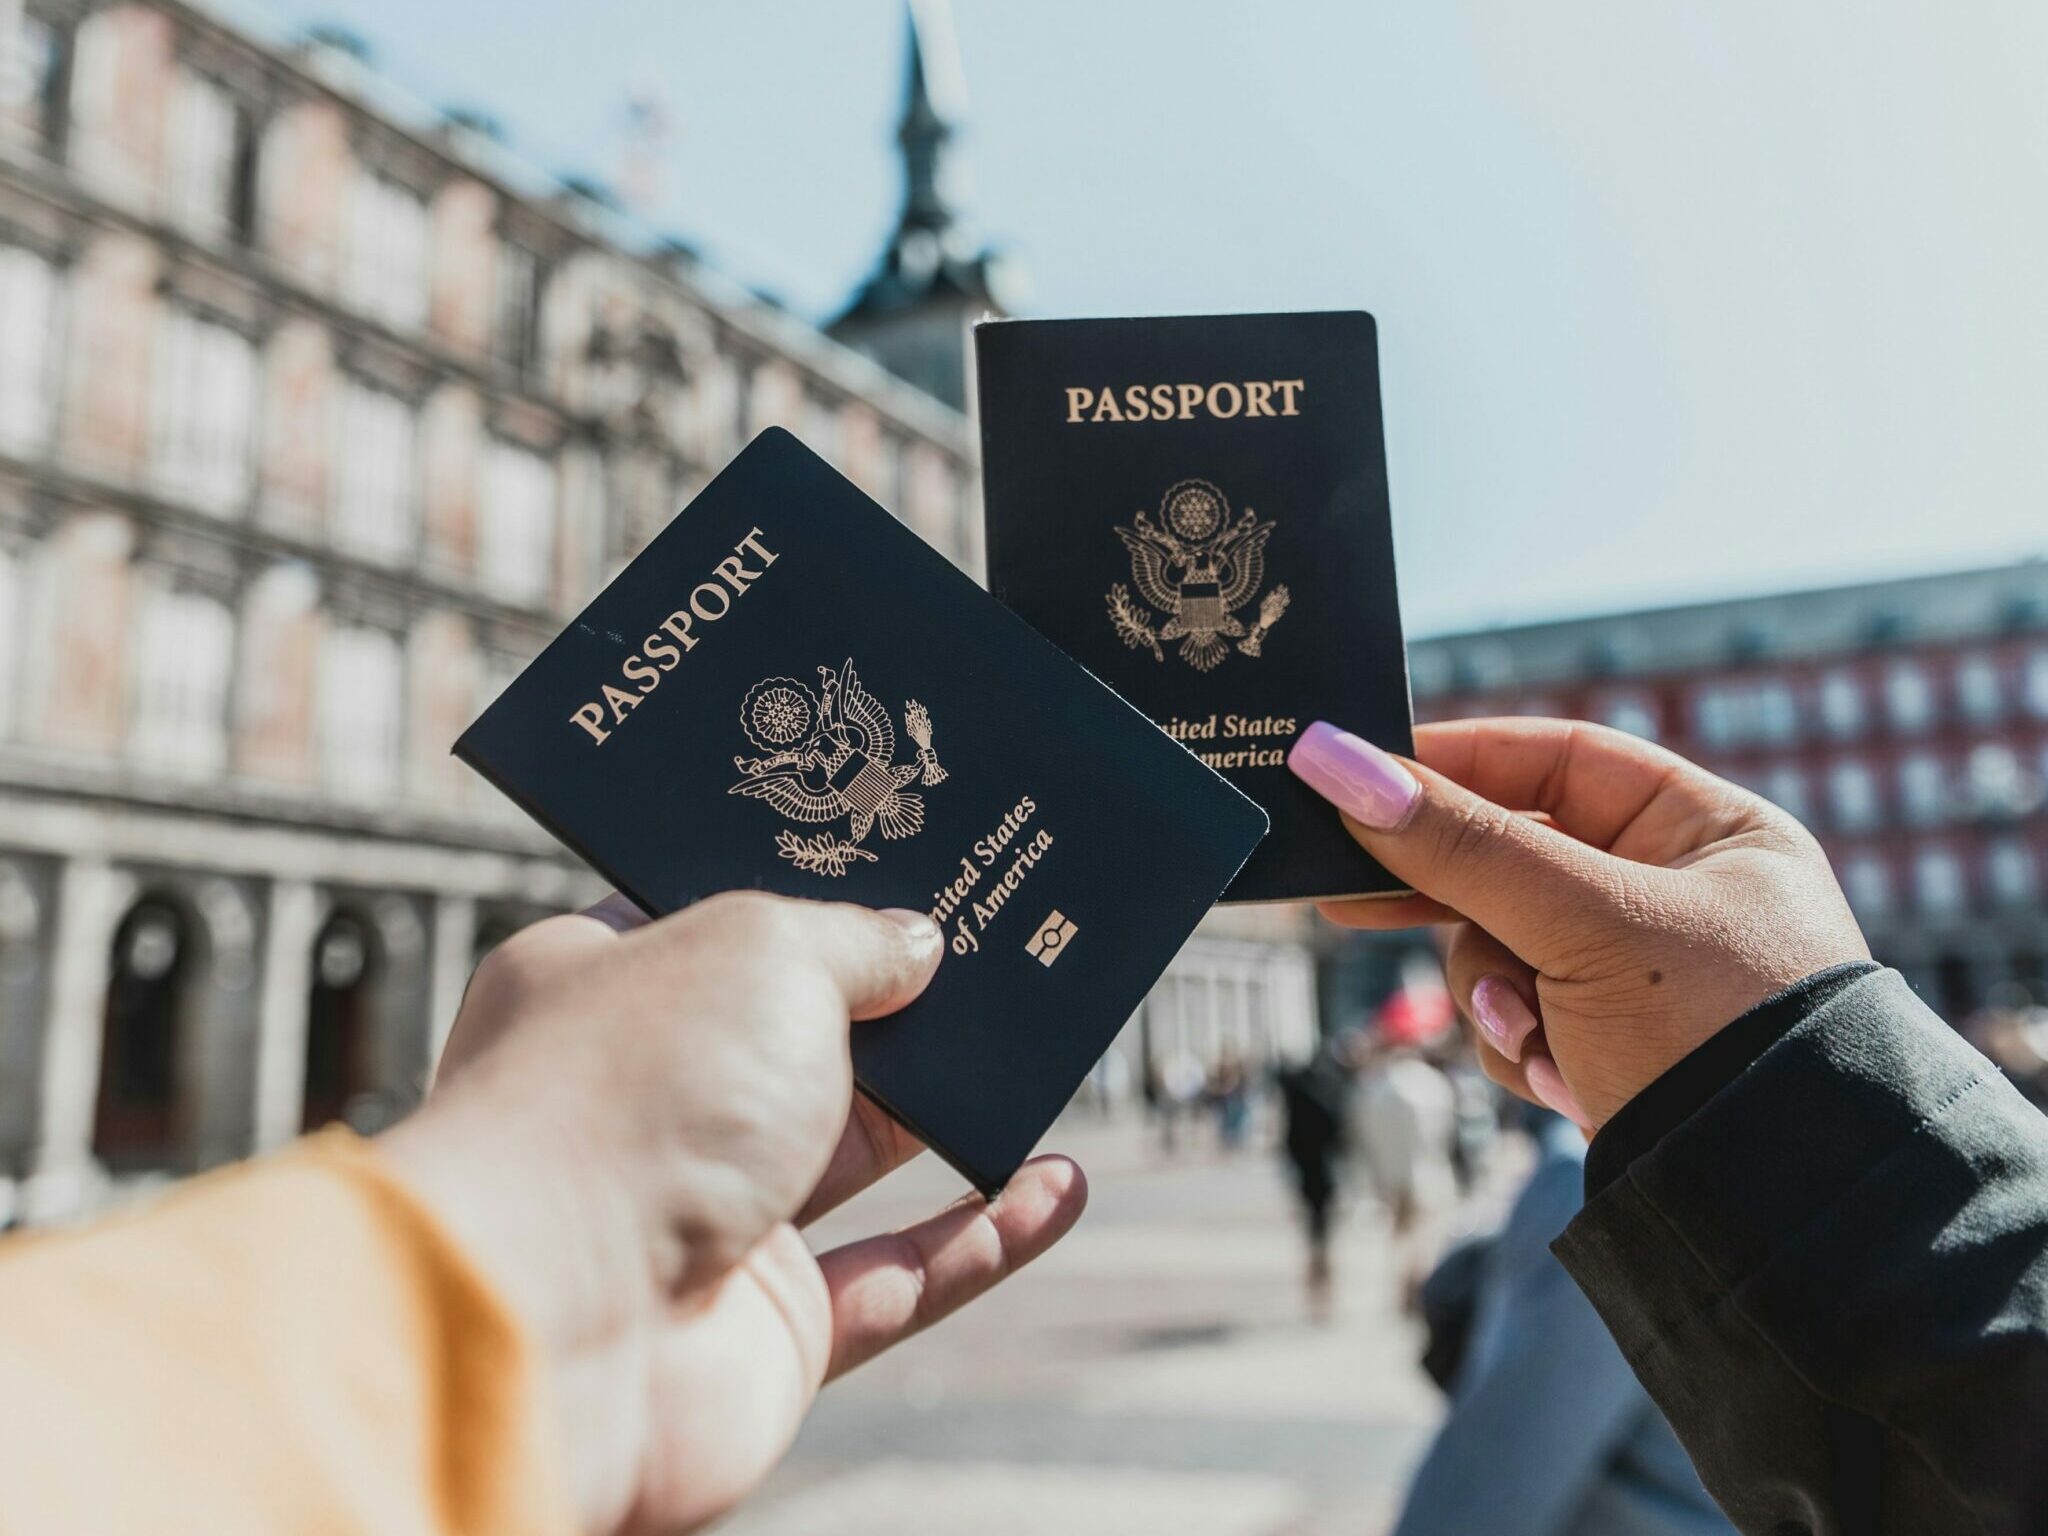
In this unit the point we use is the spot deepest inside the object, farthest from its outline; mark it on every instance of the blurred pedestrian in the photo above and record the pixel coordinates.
(1230, 1094)
(1313, 1102)
(1549, 1433)
(1182, 1081)
(1405, 1122)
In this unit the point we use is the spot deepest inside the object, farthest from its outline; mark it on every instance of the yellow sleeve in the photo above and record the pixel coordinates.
(291, 1345)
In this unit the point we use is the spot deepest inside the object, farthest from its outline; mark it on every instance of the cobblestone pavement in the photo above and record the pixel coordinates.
(1157, 1372)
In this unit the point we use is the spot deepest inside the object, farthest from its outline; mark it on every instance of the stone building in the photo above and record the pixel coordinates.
(316, 419)
(1905, 722)
(318, 415)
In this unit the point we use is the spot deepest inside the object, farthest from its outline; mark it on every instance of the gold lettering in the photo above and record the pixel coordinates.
(1218, 399)
(735, 575)
(709, 601)
(697, 607)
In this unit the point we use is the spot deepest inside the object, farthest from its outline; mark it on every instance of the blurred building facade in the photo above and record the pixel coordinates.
(1904, 722)
(318, 416)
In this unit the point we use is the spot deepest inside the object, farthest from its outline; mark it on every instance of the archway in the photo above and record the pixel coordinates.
(340, 1019)
(137, 1119)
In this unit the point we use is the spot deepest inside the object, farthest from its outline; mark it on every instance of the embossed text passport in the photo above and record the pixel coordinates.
(1195, 509)
(790, 691)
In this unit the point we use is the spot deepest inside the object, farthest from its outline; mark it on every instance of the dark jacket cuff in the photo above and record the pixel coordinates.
(1683, 1090)
(1760, 1161)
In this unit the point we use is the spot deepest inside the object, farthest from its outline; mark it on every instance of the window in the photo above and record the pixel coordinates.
(1980, 693)
(1729, 714)
(184, 655)
(361, 699)
(2010, 873)
(1867, 882)
(515, 330)
(1841, 705)
(387, 251)
(821, 428)
(1786, 788)
(1716, 718)
(1909, 696)
(1923, 789)
(374, 503)
(1853, 789)
(1998, 782)
(518, 543)
(2036, 685)
(12, 604)
(29, 296)
(32, 71)
(1633, 713)
(213, 160)
(1938, 881)
(1777, 719)
(205, 402)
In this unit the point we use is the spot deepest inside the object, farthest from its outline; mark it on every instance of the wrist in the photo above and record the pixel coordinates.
(527, 1196)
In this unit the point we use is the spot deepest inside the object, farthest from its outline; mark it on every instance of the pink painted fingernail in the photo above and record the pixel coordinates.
(1548, 1084)
(1354, 775)
(1502, 1016)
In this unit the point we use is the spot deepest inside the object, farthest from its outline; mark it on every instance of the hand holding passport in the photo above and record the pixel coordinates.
(789, 692)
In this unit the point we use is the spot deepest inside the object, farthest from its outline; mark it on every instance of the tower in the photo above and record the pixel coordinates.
(914, 313)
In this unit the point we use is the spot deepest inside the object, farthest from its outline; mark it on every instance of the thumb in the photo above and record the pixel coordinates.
(880, 960)
(1528, 884)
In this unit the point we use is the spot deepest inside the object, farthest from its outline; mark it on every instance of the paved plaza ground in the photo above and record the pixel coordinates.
(1157, 1372)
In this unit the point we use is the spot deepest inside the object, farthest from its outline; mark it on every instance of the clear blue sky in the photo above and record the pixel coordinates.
(1676, 300)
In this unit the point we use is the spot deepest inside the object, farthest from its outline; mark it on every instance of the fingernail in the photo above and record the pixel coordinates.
(1548, 1084)
(918, 925)
(1354, 775)
(1502, 1016)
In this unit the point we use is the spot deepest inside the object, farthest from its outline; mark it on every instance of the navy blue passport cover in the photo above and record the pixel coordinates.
(789, 691)
(1195, 509)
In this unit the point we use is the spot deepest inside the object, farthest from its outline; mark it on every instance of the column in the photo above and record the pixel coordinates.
(448, 970)
(91, 896)
(292, 923)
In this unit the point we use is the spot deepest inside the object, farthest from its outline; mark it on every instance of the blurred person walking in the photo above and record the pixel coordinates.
(1405, 1121)
(1549, 1433)
(1230, 1093)
(1314, 1098)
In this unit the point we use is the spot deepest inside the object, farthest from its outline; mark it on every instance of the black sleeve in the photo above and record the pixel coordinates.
(1832, 1276)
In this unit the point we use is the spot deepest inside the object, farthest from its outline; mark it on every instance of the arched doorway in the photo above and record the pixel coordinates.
(340, 1018)
(136, 1120)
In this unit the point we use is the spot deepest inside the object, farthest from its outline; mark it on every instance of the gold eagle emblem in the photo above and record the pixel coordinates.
(1195, 568)
(830, 754)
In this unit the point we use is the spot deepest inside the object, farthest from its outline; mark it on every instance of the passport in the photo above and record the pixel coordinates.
(1195, 509)
(789, 691)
